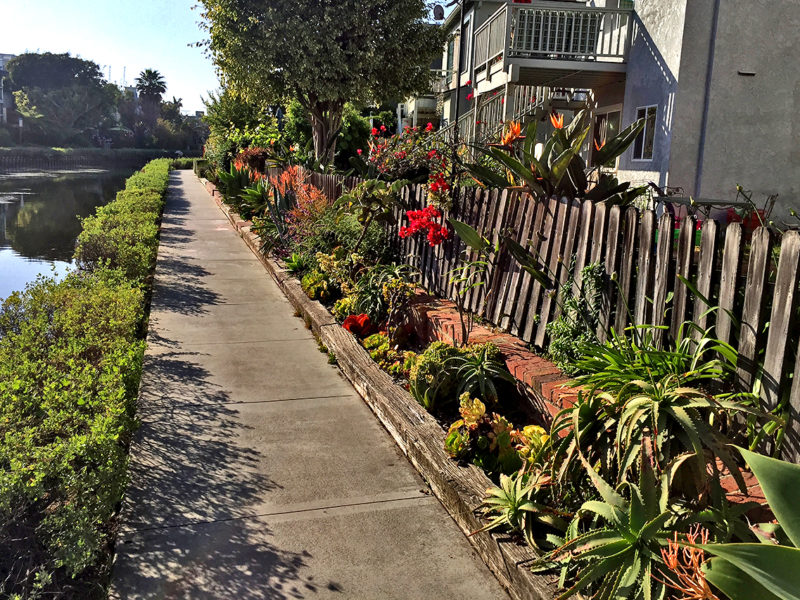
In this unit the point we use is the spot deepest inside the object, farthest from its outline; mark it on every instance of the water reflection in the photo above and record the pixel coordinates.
(40, 220)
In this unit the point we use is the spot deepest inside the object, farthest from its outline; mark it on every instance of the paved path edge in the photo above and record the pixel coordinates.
(460, 489)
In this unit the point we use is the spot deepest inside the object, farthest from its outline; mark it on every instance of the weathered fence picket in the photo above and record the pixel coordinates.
(646, 262)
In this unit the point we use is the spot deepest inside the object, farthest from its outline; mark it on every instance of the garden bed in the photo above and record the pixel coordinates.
(460, 488)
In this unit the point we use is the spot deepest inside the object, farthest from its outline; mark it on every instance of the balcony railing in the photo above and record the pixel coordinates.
(572, 34)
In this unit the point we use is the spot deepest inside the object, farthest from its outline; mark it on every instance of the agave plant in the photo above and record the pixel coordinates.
(621, 555)
(768, 570)
(232, 182)
(560, 170)
(512, 506)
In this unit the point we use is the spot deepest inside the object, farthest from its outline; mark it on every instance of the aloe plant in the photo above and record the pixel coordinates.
(511, 505)
(560, 170)
(621, 556)
(767, 570)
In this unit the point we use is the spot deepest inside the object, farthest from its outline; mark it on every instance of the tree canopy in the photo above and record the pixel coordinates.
(48, 71)
(59, 95)
(322, 53)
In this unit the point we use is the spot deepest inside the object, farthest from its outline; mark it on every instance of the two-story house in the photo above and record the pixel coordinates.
(717, 82)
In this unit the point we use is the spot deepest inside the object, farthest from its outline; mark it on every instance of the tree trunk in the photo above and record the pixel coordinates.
(326, 122)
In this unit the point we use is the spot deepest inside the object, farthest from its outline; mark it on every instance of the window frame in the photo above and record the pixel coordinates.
(646, 108)
(605, 111)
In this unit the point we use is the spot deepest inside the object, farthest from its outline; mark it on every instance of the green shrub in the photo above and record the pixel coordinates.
(124, 234)
(70, 363)
(333, 231)
(69, 369)
(576, 329)
(183, 163)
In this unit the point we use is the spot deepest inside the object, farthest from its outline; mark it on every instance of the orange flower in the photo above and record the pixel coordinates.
(557, 120)
(511, 133)
(686, 564)
(600, 146)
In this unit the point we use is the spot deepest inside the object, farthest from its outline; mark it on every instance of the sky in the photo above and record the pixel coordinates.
(117, 34)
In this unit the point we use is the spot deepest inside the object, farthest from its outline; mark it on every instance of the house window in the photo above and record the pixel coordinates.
(606, 127)
(643, 146)
(466, 47)
(451, 47)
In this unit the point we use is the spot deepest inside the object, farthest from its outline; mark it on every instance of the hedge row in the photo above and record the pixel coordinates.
(70, 361)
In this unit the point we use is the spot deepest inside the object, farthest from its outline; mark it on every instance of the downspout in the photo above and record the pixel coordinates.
(707, 100)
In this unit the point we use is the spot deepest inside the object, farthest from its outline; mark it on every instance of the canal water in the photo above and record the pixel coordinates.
(40, 220)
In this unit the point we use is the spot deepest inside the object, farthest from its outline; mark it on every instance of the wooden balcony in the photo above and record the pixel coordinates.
(547, 43)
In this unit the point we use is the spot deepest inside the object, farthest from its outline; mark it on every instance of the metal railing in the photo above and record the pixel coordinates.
(580, 33)
(490, 40)
(584, 33)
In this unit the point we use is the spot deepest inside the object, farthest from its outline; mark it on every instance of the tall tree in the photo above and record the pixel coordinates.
(62, 98)
(48, 71)
(151, 86)
(322, 53)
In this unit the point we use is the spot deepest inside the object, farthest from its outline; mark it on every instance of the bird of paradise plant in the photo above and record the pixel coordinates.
(559, 169)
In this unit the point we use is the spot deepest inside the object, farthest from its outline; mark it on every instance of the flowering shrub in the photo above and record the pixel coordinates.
(413, 155)
(359, 325)
(310, 204)
(423, 220)
(255, 159)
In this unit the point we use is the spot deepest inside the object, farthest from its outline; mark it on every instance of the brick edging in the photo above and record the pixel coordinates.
(460, 488)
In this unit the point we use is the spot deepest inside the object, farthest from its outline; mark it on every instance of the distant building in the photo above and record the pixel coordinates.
(5, 95)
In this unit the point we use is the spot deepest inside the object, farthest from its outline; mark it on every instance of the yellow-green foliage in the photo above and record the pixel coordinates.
(70, 361)
(124, 234)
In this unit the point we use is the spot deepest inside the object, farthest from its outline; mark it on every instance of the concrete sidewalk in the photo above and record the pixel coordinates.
(258, 472)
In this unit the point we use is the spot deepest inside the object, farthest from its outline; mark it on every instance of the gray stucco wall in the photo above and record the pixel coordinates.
(652, 79)
(753, 133)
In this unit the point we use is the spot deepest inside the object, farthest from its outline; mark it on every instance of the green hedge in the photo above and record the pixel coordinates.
(70, 361)
(124, 234)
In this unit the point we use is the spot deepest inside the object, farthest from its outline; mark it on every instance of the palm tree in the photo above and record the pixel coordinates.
(150, 85)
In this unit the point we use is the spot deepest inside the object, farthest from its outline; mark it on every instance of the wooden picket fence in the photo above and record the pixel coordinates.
(752, 277)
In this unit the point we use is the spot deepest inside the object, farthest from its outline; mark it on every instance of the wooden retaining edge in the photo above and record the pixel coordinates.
(460, 488)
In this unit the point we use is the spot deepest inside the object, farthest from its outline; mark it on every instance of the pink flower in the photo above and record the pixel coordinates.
(359, 151)
(429, 127)
(470, 96)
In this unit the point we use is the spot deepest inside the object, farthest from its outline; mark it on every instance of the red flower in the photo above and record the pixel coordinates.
(469, 82)
(359, 151)
(423, 220)
(374, 131)
(429, 127)
(358, 325)
(470, 96)
(383, 127)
